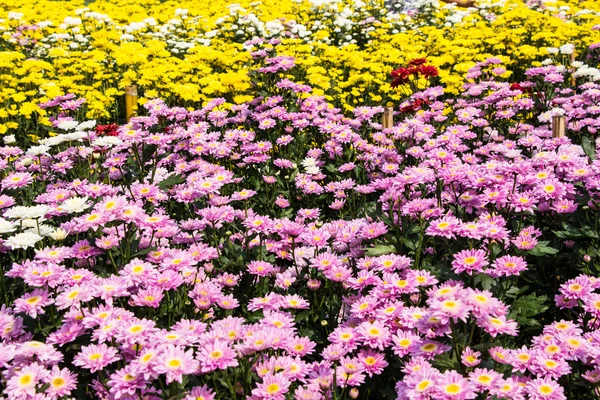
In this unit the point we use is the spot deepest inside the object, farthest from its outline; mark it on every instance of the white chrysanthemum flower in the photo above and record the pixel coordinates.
(567, 49)
(35, 151)
(107, 141)
(309, 162)
(6, 226)
(67, 125)
(59, 234)
(86, 125)
(15, 16)
(24, 212)
(42, 230)
(74, 205)
(9, 139)
(23, 240)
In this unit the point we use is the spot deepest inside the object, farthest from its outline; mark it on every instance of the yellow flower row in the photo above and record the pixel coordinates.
(190, 52)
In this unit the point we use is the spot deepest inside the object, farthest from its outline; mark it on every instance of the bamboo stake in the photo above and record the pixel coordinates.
(558, 126)
(131, 98)
(388, 117)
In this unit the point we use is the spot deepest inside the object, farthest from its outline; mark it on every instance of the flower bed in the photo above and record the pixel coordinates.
(290, 246)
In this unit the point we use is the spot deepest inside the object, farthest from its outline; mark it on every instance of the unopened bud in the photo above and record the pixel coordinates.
(314, 284)
(239, 390)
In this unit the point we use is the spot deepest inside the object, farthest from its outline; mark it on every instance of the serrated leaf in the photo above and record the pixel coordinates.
(409, 243)
(486, 281)
(148, 152)
(380, 250)
(588, 147)
(144, 252)
(171, 181)
(542, 249)
(526, 308)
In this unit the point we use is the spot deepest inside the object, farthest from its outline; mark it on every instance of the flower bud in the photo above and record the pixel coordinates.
(353, 393)
(587, 258)
(239, 390)
(314, 284)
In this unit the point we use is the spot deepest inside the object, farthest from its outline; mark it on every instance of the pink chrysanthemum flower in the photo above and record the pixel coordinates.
(150, 297)
(470, 358)
(450, 308)
(485, 379)
(22, 385)
(16, 180)
(217, 355)
(33, 303)
(498, 325)
(374, 334)
(453, 386)
(273, 387)
(508, 266)
(61, 382)
(174, 362)
(96, 357)
(200, 393)
(544, 389)
(469, 261)
(373, 362)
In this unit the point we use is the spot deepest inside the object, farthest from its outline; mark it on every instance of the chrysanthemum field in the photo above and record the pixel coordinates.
(254, 230)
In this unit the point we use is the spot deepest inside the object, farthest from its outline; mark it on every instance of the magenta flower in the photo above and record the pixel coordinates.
(61, 382)
(544, 389)
(272, 387)
(33, 303)
(174, 362)
(508, 266)
(453, 385)
(96, 357)
(470, 358)
(217, 355)
(469, 261)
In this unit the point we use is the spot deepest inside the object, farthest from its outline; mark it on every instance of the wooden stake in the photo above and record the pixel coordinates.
(572, 59)
(559, 126)
(388, 117)
(131, 104)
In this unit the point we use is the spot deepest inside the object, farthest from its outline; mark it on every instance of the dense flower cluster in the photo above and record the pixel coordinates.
(257, 233)
(189, 53)
(282, 249)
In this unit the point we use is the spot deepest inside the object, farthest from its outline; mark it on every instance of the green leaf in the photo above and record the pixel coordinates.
(380, 250)
(144, 252)
(588, 147)
(486, 281)
(570, 231)
(542, 249)
(409, 243)
(526, 308)
(148, 152)
(171, 181)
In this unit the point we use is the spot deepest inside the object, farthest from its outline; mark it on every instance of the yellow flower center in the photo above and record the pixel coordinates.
(452, 388)
(272, 388)
(58, 382)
